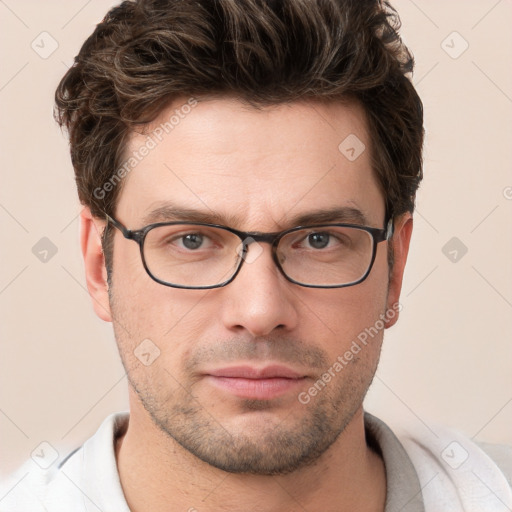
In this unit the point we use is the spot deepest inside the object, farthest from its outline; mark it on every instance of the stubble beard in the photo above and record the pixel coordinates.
(270, 446)
(265, 446)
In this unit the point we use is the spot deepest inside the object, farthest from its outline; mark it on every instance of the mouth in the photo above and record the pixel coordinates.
(256, 383)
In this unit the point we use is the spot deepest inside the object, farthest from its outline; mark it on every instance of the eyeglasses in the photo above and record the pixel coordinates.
(201, 256)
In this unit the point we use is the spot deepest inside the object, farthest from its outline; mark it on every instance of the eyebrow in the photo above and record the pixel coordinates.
(169, 212)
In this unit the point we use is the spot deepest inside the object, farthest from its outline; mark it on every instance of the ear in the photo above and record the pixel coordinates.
(401, 239)
(91, 229)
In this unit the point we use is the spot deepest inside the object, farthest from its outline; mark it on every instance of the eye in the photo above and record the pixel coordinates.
(323, 240)
(319, 240)
(188, 241)
(192, 240)
(332, 239)
(196, 241)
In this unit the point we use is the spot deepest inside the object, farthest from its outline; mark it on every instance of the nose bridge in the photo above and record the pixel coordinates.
(257, 299)
(250, 237)
(251, 252)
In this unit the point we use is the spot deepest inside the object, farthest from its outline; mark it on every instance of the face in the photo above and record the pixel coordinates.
(230, 373)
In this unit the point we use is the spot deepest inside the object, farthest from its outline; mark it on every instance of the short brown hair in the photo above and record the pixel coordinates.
(145, 53)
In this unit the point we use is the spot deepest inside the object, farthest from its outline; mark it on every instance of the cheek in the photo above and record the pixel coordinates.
(341, 314)
(156, 319)
(147, 307)
(348, 320)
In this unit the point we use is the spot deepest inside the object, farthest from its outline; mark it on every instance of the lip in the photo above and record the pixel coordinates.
(255, 383)
(249, 372)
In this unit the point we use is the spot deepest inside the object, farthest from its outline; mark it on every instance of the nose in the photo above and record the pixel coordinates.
(259, 299)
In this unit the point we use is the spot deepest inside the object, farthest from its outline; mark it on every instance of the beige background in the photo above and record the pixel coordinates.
(449, 358)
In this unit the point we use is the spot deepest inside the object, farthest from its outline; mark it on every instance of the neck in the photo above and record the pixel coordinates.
(157, 474)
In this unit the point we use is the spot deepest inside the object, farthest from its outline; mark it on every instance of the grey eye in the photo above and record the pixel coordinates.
(192, 241)
(318, 240)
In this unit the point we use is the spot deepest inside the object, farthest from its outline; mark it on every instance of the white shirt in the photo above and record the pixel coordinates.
(420, 476)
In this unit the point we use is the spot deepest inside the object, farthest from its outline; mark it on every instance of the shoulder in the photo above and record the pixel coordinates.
(501, 455)
(457, 473)
(68, 485)
(27, 488)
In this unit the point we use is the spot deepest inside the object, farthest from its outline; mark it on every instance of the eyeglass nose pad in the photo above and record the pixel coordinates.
(243, 249)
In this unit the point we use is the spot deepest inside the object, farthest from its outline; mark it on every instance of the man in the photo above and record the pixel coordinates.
(248, 172)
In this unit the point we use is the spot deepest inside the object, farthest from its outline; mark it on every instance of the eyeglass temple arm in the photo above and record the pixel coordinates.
(127, 233)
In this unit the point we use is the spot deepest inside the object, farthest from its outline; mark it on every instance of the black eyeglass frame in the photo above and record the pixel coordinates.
(379, 235)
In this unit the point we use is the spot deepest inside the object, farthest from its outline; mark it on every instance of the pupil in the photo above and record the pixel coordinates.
(318, 240)
(192, 241)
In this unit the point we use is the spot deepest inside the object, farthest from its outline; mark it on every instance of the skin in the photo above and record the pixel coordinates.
(190, 444)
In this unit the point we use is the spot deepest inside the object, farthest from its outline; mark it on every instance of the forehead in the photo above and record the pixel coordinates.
(253, 168)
